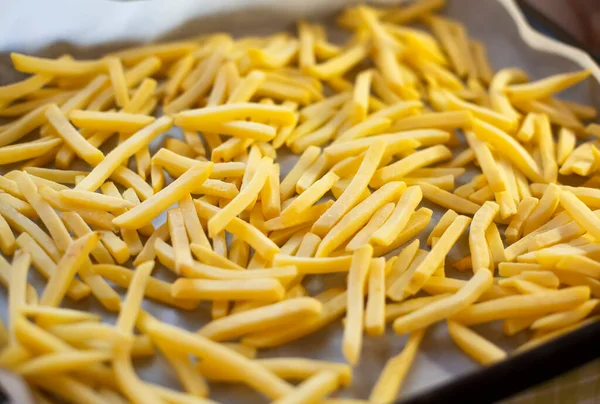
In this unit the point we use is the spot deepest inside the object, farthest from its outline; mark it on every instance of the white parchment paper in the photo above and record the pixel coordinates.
(89, 27)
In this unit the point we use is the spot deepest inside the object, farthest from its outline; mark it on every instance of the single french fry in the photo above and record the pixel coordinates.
(374, 322)
(72, 137)
(218, 222)
(447, 199)
(262, 318)
(524, 305)
(350, 196)
(359, 269)
(143, 213)
(29, 150)
(581, 213)
(480, 253)
(66, 269)
(514, 231)
(437, 254)
(546, 87)
(17, 286)
(445, 308)
(251, 289)
(405, 207)
(341, 63)
(477, 347)
(544, 209)
(566, 318)
(395, 370)
(122, 152)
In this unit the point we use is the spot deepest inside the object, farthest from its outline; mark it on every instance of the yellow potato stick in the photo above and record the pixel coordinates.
(358, 216)
(350, 196)
(61, 362)
(67, 388)
(95, 200)
(545, 87)
(565, 146)
(418, 221)
(543, 278)
(17, 286)
(341, 63)
(24, 225)
(528, 128)
(261, 318)
(524, 305)
(60, 176)
(193, 227)
(66, 269)
(441, 226)
(29, 150)
(375, 308)
(395, 310)
(437, 255)
(405, 207)
(315, 388)
(264, 289)
(487, 115)
(580, 265)
(511, 149)
(399, 268)
(118, 81)
(486, 161)
(480, 251)
(131, 386)
(301, 368)
(247, 87)
(404, 166)
(544, 209)
(324, 133)
(270, 194)
(547, 148)
(109, 121)
(447, 199)
(197, 118)
(309, 216)
(360, 97)
(207, 256)
(445, 308)
(24, 125)
(359, 269)
(179, 239)
(310, 196)
(311, 265)
(56, 67)
(218, 222)
(376, 221)
(72, 137)
(566, 318)
(143, 213)
(396, 368)
(122, 152)
(396, 143)
(135, 295)
(474, 345)
(48, 316)
(435, 120)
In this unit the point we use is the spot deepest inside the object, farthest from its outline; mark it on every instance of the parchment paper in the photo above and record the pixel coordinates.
(88, 28)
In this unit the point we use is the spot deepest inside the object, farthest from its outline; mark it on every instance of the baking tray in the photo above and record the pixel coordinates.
(440, 372)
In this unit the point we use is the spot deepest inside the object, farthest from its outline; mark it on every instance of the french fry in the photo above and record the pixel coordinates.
(445, 308)
(122, 152)
(581, 213)
(480, 253)
(143, 213)
(447, 199)
(396, 368)
(566, 318)
(399, 218)
(375, 308)
(350, 196)
(376, 221)
(359, 269)
(524, 305)
(477, 347)
(545, 87)
(251, 289)
(29, 150)
(17, 285)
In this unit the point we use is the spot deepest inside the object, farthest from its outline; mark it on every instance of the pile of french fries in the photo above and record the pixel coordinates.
(386, 121)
